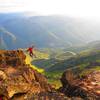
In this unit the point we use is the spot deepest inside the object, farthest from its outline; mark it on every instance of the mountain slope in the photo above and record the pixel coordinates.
(6, 38)
(48, 31)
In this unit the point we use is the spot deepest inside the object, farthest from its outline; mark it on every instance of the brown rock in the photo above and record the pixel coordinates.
(12, 58)
(86, 88)
(18, 78)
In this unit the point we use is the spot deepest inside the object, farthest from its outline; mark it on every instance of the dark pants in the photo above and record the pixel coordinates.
(32, 54)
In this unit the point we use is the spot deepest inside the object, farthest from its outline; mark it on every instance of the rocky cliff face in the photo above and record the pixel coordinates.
(17, 78)
(87, 87)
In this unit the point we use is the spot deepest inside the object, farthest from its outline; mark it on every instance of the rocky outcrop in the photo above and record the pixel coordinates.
(87, 87)
(17, 78)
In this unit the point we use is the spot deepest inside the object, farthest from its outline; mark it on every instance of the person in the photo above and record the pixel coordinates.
(30, 50)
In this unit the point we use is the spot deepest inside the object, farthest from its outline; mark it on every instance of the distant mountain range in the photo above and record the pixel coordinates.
(19, 30)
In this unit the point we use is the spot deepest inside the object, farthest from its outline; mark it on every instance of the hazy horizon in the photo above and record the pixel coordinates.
(74, 8)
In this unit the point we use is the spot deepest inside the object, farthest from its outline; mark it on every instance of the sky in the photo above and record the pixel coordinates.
(76, 8)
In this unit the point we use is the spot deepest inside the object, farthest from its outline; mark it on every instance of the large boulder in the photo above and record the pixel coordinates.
(87, 87)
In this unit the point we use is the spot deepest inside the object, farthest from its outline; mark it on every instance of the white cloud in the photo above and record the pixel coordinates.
(80, 8)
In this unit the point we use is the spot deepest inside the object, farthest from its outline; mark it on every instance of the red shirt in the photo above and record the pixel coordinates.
(30, 49)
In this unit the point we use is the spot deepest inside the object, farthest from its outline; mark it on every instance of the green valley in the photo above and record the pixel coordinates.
(81, 63)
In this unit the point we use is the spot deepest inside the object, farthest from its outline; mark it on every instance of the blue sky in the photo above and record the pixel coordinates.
(77, 8)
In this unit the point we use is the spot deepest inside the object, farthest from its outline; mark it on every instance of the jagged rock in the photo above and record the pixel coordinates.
(87, 88)
(12, 58)
(17, 78)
